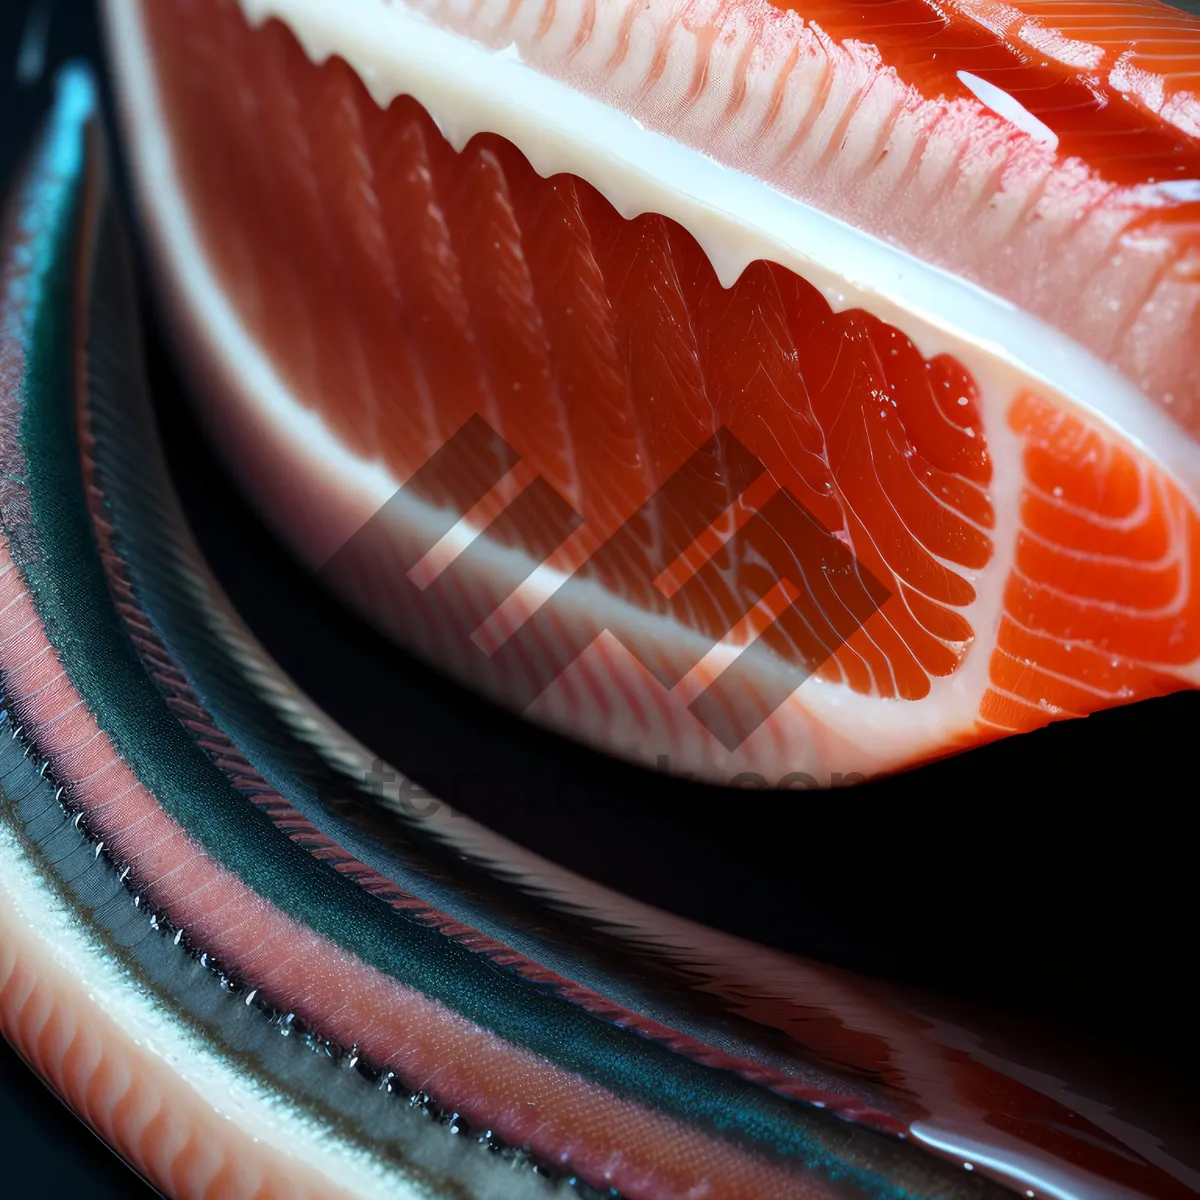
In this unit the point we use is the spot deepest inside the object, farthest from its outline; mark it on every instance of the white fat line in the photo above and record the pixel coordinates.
(1037, 1180)
(1010, 108)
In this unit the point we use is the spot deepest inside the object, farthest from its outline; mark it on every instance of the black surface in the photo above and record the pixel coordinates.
(46, 1152)
(1048, 874)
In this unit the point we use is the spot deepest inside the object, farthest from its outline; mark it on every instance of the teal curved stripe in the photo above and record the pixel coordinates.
(60, 561)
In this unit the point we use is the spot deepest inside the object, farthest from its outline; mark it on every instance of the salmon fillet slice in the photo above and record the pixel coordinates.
(1046, 152)
(649, 447)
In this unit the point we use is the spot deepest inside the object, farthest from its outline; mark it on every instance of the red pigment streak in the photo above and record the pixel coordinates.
(808, 1010)
(299, 970)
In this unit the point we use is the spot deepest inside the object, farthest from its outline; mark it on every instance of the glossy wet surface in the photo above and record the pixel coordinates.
(1023, 910)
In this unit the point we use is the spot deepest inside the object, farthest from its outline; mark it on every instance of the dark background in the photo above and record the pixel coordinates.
(1049, 877)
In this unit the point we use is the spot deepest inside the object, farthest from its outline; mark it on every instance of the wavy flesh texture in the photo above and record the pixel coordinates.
(1048, 153)
(251, 986)
(940, 546)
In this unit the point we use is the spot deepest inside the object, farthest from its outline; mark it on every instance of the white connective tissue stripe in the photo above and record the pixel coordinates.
(1008, 107)
(1037, 1181)
(468, 88)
